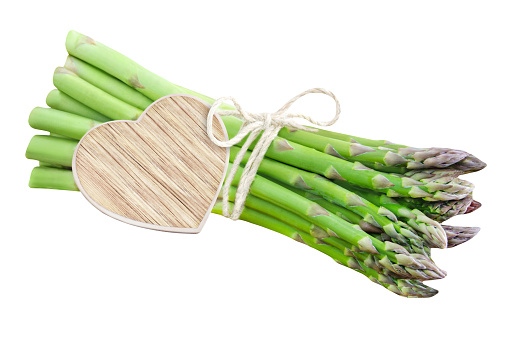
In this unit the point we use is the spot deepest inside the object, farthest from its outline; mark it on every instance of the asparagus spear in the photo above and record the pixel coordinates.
(52, 150)
(439, 211)
(54, 178)
(380, 158)
(102, 102)
(63, 102)
(63, 123)
(465, 162)
(123, 68)
(408, 288)
(107, 83)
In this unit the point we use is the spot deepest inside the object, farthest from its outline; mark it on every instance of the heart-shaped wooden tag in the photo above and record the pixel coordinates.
(160, 172)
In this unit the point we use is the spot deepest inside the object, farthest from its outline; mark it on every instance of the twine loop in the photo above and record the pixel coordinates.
(254, 124)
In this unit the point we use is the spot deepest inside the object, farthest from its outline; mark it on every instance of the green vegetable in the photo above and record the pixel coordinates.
(375, 217)
(107, 83)
(424, 158)
(102, 102)
(63, 102)
(381, 158)
(54, 178)
(62, 123)
(53, 150)
(408, 288)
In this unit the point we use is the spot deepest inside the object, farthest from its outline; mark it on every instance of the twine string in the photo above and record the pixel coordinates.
(254, 124)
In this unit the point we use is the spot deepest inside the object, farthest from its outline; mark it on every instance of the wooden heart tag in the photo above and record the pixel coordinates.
(160, 172)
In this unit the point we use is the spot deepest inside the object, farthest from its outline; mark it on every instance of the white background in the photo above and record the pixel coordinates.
(431, 73)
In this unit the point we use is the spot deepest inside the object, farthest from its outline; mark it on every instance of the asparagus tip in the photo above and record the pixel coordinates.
(366, 245)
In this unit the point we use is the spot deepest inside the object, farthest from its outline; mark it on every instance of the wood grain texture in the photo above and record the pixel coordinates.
(160, 172)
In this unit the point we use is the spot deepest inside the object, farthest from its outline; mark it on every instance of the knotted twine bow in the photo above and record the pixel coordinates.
(254, 124)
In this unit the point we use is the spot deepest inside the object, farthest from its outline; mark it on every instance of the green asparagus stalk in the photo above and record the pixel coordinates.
(439, 211)
(60, 122)
(63, 102)
(93, 97)
(53, 178)
(52, 150)
(379, 158)
(408, 288)
(123, 68)
(107, 83)
(444, 157)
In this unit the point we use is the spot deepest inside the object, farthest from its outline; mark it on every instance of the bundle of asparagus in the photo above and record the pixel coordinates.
(371, 205)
